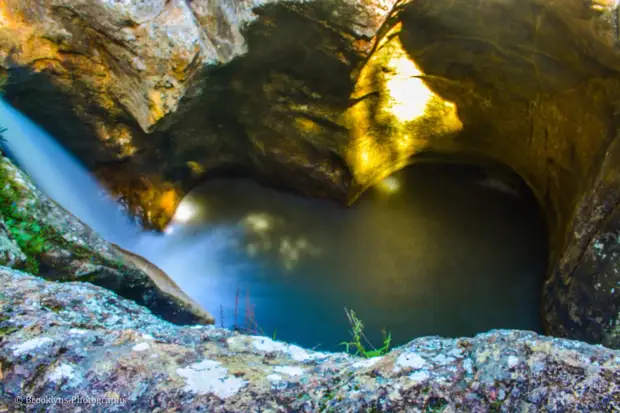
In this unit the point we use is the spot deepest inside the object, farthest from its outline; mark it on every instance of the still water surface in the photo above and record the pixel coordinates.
(435, 249)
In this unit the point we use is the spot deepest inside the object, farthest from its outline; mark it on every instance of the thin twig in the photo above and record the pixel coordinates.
(235, 326)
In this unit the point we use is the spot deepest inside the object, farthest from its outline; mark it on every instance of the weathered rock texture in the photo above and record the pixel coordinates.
(39, 236)
(328, 97)
(107, 348)
(536, 85)
(113, 71)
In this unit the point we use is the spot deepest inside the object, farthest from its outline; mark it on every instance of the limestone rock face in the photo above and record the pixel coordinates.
(582, 292)
(327, 97)
(39, 236)
(103, 346)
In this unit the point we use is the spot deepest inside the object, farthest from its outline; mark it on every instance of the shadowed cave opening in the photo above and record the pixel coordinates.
(437, 248)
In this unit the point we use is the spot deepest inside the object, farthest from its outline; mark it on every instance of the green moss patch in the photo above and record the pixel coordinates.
(33, 237)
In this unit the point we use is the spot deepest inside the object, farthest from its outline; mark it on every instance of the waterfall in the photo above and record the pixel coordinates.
(192, 260)
(61, 177)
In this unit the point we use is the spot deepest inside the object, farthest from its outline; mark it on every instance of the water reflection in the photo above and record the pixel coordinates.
(264, 234)
(434, 249)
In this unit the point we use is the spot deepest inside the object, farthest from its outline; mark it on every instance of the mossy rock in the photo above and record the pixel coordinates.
(50, 242)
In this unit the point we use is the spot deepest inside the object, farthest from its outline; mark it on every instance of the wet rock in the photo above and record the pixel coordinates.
(102, 347)
(117, 80)
(581, 296)
(10, 254)
(39, 236)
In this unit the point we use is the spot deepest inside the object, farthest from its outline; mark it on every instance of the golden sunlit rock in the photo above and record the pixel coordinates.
(604, 5)
(408, 95)
(396, 113)
(152, 201)
(195, 168)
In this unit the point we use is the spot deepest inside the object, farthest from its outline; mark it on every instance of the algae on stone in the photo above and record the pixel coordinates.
(106, 346)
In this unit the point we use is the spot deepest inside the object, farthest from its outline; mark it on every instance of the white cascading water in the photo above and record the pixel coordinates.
(65, 180)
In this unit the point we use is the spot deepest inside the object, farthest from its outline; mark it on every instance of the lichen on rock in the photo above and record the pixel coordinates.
(106, 347)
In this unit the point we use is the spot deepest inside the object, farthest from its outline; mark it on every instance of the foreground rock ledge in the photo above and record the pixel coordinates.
(92, 343)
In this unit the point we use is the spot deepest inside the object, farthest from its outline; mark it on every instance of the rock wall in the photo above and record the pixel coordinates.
(109, 349)
(535, 85)
(114, 81)
(328, 97)
(582, 292)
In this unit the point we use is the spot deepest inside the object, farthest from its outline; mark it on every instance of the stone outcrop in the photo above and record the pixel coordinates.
(107, 350)
(123, 76)
(328, 97)
(39, 236)
(535, 85)
(10, 254)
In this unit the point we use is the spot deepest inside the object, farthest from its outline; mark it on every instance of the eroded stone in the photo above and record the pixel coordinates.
(216, 369)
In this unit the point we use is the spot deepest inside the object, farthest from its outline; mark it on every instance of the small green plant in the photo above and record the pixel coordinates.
(356, 346)
(30, 238)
